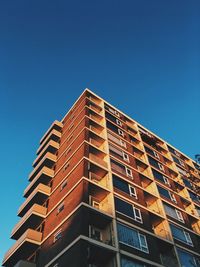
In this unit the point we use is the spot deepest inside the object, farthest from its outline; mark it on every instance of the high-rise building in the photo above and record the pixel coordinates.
(107, 192)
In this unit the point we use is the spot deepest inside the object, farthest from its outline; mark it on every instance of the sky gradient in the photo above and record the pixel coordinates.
(141, 56)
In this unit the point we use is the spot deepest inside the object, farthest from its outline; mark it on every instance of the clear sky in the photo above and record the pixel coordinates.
(143, 56)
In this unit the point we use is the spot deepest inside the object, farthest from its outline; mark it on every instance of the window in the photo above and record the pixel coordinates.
(63, 185)
(156, 154)
(187, 259)
(166, 181)
(132, 191)
(96, 233)
(66, 166)
(60, 207)
(194, 197)
(166, 193)
(125, 156)
(57, 235)
(160, 177)
(172, 197)
(129, 172)
(95, 204)
(137, 215)
(128, 210)
(161, 167)
(132, 238)
(179, 215)
(119, 122)
(156, 164)
(172, 212)
(181, 235)
(120, 132)
(117, 113)
(123, 143)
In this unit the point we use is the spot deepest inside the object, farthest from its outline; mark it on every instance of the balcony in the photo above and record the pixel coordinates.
(33, 218)
(99, 200)
(98, 160)
(47, 161)
(56, 125)
(96, 128)
(38, 196)
(96, 117)
(23, 247)
(51, 147)
(97, 141)
(44, 176)
(162, 230)
(53, 135)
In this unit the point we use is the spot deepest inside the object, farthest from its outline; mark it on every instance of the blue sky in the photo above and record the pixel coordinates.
(142, 56)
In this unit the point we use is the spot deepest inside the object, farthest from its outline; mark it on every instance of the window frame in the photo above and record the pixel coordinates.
(161, 167)
(129, 172)
(60, 207)
(118, 122)
(132, 194)
(125, 156)
(120, 132)
(58, 233)
(136, 217)
(179, 215)
(123, 143)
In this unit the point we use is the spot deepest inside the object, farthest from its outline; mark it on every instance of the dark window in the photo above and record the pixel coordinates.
(120, 184)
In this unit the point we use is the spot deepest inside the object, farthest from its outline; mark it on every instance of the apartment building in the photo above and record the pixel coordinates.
(106, 192)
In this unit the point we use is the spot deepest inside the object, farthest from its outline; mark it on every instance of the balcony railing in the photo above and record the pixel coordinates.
(48, 160)
(56, 125)
(51, 147)
(38, 196)
(32, 218)
(44, 176)
(30, 240)
(53, 135)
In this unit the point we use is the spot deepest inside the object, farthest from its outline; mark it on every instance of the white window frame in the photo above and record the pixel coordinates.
(179, 215)
(120, 132)
(116, 113)
(172, 197)
(143, 248)
(125, 156)
(188, 238)
(61, 207)
(95, 203)
(119, 122)
(123, 143)
(156, 154)
(166, 180)
(56, 234)
(161, 167)
(136, 217)
(128, 172)
(132, 191)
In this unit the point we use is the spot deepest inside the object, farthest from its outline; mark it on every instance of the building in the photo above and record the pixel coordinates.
(106, 192)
